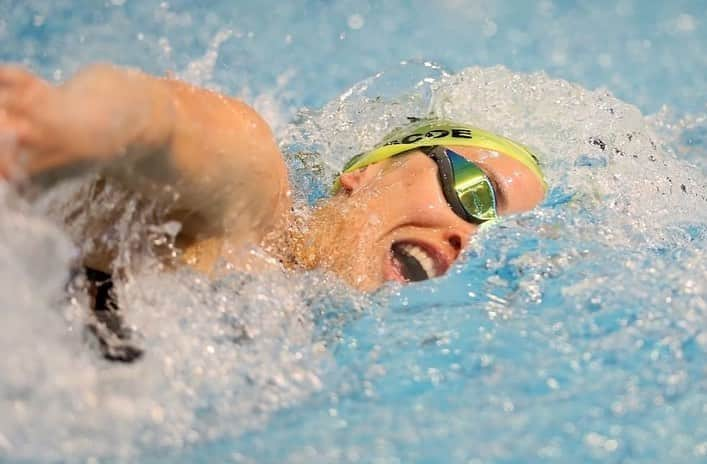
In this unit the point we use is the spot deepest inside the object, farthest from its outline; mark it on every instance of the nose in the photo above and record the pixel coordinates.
(458, 237)
(458, 234)
(455, 240)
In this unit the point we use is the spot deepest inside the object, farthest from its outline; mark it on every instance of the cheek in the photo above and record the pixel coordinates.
(421, 193)
(421, 203)
(407, 191)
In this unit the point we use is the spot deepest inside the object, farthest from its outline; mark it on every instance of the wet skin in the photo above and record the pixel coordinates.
(215, 160)
(400, 201)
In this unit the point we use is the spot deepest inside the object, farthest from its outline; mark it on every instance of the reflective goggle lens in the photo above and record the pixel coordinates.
(473, 188)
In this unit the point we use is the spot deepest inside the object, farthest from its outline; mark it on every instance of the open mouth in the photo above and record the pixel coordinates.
(414, 262)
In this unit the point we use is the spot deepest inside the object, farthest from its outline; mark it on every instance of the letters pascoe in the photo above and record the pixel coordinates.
(461, 133)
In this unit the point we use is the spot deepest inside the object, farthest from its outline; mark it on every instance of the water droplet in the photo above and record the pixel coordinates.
(356, 21)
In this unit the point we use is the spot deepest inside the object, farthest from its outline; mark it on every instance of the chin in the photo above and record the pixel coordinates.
(364, 276)
(347, 244)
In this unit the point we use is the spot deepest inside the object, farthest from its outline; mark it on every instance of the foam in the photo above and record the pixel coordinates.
(600, 151)
(585, 313)
(221, 356)
(573, 332)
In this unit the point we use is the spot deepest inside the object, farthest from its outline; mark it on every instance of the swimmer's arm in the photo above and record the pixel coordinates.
(213, 156)
(223, 160)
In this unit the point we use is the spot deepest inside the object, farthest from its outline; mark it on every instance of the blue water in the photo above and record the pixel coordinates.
(575, 333)
(647, 53)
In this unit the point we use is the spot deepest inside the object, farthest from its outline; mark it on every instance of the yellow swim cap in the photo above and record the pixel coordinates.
(428, 133)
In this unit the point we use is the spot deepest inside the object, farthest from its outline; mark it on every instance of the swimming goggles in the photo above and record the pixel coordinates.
(432, 132)
(467, 189)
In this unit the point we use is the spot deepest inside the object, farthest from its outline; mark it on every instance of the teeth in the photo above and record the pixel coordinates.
(421, 255)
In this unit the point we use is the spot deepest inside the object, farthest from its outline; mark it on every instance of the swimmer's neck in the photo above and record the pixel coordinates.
(247, 246)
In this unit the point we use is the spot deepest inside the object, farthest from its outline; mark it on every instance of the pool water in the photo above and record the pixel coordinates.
(573, 333)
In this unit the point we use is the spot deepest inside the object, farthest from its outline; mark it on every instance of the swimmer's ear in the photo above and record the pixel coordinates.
(351, 180)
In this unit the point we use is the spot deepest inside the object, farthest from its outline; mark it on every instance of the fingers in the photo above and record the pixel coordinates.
(34, 132)
(9, 153)
(18, 88)
(22, 97)
(9, 121)
(14, 75)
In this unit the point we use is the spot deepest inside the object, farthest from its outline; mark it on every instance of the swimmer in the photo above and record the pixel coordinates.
(403, 211)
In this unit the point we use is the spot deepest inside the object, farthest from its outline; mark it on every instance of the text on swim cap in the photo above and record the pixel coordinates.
(460, 133)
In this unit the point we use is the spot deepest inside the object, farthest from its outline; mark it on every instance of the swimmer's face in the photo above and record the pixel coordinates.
(390, 221)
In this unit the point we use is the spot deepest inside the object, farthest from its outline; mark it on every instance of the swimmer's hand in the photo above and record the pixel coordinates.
(212, 157)
(99, 115)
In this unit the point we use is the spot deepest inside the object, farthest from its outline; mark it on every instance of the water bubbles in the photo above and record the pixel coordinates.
(604, 60)
(234, 348)
(355, 21)
(490, 28)
(702, 340)
(559, 56)
(200, 71)
(684, 23)
(601, 442)
(546, 7)
(611, 445)
(163, 42)
(586, 287)
(590, 161)
(624, 8)
(365, 112)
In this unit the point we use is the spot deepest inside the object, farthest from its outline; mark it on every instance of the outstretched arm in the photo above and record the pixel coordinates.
(213, 156)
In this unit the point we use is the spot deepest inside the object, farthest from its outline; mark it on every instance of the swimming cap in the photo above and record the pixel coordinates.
(428, 133)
